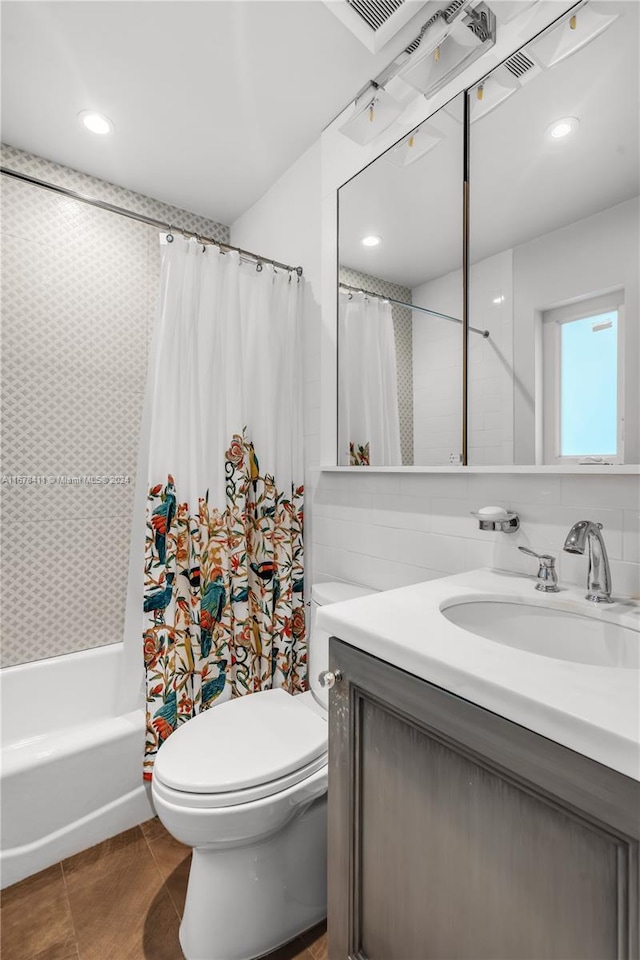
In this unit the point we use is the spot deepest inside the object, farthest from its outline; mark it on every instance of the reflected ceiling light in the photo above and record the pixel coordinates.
(499, 299)
(374, 111)
(95, 122)
(446, 49)
(573, 33)
(560, 129)
(371, 241)
(416, 144)
(490, 92)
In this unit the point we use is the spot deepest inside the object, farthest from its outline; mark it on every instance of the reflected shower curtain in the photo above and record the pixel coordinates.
(368, 420)
(223, 608)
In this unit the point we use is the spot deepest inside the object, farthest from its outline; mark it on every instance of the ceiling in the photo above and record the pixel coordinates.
(211, 101)
(522, 184)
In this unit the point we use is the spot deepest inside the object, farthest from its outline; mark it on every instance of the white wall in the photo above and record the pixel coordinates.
(437, 373)
(388, 529)
(591, 257)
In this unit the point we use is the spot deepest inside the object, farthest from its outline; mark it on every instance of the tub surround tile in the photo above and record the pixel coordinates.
(36, 918)
(72, 403)
(90, 615)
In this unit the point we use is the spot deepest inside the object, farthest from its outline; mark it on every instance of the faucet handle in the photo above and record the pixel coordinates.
(545, 558)
(547, 576)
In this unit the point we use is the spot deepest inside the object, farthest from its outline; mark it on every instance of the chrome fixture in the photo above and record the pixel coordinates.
(410, 306)
(547, 576)
(329, 678)
(584, 533)
(505, 522)
(449, 41)
(245, 255)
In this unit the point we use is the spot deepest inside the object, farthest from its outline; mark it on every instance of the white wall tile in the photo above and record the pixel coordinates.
(79, 292)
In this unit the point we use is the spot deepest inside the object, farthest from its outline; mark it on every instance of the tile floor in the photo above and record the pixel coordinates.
(120, 900)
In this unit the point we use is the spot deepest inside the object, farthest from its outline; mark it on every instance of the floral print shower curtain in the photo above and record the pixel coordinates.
(223, 607)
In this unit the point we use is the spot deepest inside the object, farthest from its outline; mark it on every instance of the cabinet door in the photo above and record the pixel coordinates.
(456, 834)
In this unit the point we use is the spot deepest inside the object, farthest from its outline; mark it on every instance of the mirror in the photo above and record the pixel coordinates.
(553, 247)
(400, 242)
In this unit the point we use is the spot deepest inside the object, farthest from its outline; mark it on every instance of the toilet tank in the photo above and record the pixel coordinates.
(318, 650)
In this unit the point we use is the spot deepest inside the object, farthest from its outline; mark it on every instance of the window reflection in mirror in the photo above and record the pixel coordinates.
(400, 249)
(553, 246)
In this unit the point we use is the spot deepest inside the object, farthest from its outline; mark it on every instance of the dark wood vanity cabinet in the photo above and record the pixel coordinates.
(454, 833)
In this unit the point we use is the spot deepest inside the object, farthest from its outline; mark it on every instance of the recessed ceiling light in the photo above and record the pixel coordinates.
(371, 241)
(95, 122)
(562, 128)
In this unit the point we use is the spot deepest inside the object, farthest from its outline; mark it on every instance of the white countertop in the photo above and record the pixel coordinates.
(594, 710)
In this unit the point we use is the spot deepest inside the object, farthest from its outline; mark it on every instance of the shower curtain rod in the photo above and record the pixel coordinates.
(413, 306)
(132, 215)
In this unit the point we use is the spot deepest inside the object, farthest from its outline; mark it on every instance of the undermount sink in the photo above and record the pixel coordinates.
(548, 632)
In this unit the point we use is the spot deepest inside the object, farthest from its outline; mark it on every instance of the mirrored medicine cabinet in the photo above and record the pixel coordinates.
(488, 267)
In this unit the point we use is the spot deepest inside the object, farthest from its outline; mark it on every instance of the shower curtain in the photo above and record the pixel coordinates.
(221, 464)
(368, 420)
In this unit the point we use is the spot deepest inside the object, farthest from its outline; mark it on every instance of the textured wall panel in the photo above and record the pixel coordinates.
(79, 289)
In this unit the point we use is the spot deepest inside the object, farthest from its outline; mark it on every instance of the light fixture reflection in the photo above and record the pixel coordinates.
(493, 91)
(442, 55)
(371, 241)
(415, 145)
(573, 33)
(374, 111)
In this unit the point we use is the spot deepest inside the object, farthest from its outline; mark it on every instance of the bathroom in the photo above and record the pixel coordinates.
(282, 149)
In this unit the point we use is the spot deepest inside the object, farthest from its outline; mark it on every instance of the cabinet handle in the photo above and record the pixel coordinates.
(328, 678)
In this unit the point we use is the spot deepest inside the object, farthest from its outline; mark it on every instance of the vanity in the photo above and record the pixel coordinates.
(484, 773)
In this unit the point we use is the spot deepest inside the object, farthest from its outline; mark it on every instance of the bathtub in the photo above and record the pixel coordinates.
(70, 759)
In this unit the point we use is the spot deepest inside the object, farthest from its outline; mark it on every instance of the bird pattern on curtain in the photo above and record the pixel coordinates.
(221, 612)
(223, 595)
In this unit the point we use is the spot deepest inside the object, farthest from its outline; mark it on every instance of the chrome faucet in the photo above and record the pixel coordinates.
(584, 533)
(547, 576)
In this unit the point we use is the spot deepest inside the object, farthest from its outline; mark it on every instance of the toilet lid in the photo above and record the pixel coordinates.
(242, 743)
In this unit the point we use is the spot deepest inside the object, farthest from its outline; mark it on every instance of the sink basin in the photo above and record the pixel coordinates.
(548, 632)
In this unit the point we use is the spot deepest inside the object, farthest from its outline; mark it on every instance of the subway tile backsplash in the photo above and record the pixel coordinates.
(396, 529)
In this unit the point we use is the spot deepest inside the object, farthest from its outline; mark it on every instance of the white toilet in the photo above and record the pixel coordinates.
(245, 785)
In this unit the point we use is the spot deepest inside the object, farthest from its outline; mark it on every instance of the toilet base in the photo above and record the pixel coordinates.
(244, 901)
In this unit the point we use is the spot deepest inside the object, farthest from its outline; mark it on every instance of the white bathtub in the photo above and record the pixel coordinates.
(70, 759)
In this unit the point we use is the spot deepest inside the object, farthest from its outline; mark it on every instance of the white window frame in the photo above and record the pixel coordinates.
(552, 323)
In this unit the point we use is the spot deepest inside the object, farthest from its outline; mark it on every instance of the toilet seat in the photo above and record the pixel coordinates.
(240, 751)
(232, 798)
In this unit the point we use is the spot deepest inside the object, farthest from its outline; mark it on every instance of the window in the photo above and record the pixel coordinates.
(582, 381)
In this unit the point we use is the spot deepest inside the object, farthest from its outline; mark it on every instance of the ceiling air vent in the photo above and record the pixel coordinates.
(376, 22)
(375, 12)
(454, 9)
(519, 64)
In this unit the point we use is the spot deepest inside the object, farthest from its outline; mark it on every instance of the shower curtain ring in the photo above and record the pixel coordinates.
(169, 237)
(258, 266)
